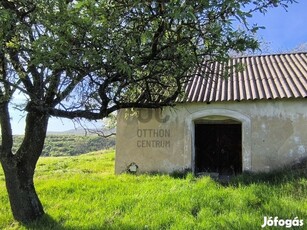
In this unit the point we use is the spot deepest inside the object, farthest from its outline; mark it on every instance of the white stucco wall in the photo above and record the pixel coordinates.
(274, 133)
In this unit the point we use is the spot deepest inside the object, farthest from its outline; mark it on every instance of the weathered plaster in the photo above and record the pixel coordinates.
(274, 133)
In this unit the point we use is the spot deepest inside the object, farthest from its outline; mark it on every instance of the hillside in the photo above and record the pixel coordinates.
(71, 145)
(82, 192)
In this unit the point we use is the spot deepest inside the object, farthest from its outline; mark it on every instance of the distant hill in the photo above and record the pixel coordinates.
(78, 131)
(71, 143)
(82, 131)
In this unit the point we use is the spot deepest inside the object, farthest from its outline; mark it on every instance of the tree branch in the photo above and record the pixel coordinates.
(22, 73)
(6, 129)
(74, 82)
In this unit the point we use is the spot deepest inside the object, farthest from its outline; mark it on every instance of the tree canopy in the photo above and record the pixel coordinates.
(89, 58)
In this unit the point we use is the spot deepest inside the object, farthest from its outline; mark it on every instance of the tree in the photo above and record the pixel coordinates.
(300, 48)
(89, 58)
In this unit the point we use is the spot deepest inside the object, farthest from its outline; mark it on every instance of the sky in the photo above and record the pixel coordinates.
(284, 31)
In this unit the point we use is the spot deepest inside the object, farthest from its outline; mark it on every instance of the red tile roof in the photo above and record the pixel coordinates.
(263, 77)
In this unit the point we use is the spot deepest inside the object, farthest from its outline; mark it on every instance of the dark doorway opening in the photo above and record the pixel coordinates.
(218, 148)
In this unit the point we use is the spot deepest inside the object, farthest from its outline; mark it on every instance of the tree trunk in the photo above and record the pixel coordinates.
(19, 169)
(24, 201)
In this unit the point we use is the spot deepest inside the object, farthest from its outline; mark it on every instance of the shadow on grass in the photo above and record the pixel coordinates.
(276, 177)
(46, 222)
(283, 175)
(180, 174)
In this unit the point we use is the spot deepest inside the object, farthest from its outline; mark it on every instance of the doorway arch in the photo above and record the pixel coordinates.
(219, 116)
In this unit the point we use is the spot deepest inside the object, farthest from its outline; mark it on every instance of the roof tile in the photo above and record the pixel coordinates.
(264, 77)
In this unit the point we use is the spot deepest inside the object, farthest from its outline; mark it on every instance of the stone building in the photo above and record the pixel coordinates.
(253, 120)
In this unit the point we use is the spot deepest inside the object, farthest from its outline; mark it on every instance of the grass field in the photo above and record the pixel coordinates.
(82, 192)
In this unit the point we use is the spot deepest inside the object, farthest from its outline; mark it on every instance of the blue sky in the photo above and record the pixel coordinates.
(285, 30)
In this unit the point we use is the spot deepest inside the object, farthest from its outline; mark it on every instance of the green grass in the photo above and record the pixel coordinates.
(82, 192)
